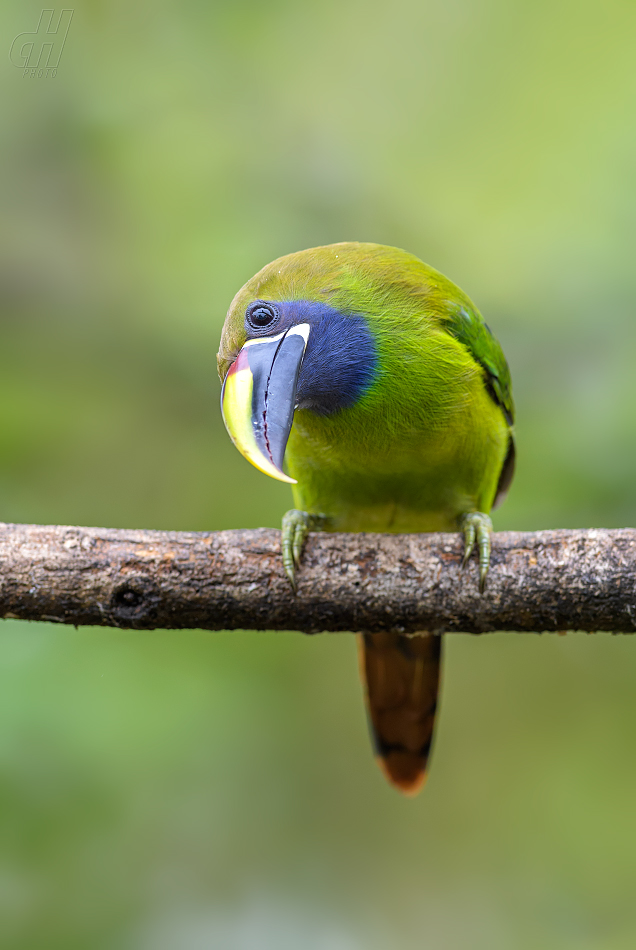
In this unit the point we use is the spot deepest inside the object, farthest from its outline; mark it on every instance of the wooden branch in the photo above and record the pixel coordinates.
(549, 580)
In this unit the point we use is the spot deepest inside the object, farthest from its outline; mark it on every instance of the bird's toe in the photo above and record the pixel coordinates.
(476, 528)
(295, 528)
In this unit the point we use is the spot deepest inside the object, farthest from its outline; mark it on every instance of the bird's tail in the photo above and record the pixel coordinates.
(401, 676)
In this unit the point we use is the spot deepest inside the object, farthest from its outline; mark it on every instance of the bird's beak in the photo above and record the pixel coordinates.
(259, 398)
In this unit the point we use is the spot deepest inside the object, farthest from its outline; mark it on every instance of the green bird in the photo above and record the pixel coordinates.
(375, 380)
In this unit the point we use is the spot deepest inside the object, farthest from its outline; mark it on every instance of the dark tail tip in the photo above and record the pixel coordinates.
(404, 771)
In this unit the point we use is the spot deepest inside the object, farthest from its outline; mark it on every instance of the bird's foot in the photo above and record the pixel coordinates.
(296, 526)
(476, 527)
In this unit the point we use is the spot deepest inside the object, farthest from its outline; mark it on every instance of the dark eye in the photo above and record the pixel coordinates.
(260, 315)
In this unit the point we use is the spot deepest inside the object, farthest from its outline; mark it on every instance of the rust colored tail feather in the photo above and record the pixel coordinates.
(401, 675)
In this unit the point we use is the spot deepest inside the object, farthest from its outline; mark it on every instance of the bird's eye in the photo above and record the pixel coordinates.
(260, 315)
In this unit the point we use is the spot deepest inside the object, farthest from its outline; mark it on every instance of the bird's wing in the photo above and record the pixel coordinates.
(468, 326)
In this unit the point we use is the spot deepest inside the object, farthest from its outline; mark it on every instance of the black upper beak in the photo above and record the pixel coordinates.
(259, 397)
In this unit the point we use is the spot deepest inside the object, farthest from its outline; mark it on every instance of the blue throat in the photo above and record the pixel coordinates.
(341, 358)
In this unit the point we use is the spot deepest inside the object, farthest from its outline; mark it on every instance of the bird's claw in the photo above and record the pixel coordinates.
(296, 526)
(476, 528)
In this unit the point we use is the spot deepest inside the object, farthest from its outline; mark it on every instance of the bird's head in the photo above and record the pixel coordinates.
(297, 336)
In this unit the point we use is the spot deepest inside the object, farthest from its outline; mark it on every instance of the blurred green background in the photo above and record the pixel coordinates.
(189, 790)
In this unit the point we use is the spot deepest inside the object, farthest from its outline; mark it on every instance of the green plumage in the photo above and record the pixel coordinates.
(427, 442)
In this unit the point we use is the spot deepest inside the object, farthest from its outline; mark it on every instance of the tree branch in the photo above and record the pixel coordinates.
(549, 580)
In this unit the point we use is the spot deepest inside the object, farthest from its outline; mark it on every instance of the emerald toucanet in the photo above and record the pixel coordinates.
(377, 382)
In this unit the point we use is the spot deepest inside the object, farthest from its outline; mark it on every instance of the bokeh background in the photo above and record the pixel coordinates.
(190, 790)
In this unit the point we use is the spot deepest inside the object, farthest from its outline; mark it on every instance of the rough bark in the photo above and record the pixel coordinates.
(549, 580)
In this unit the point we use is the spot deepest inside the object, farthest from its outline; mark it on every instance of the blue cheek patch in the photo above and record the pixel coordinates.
(341, 358)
